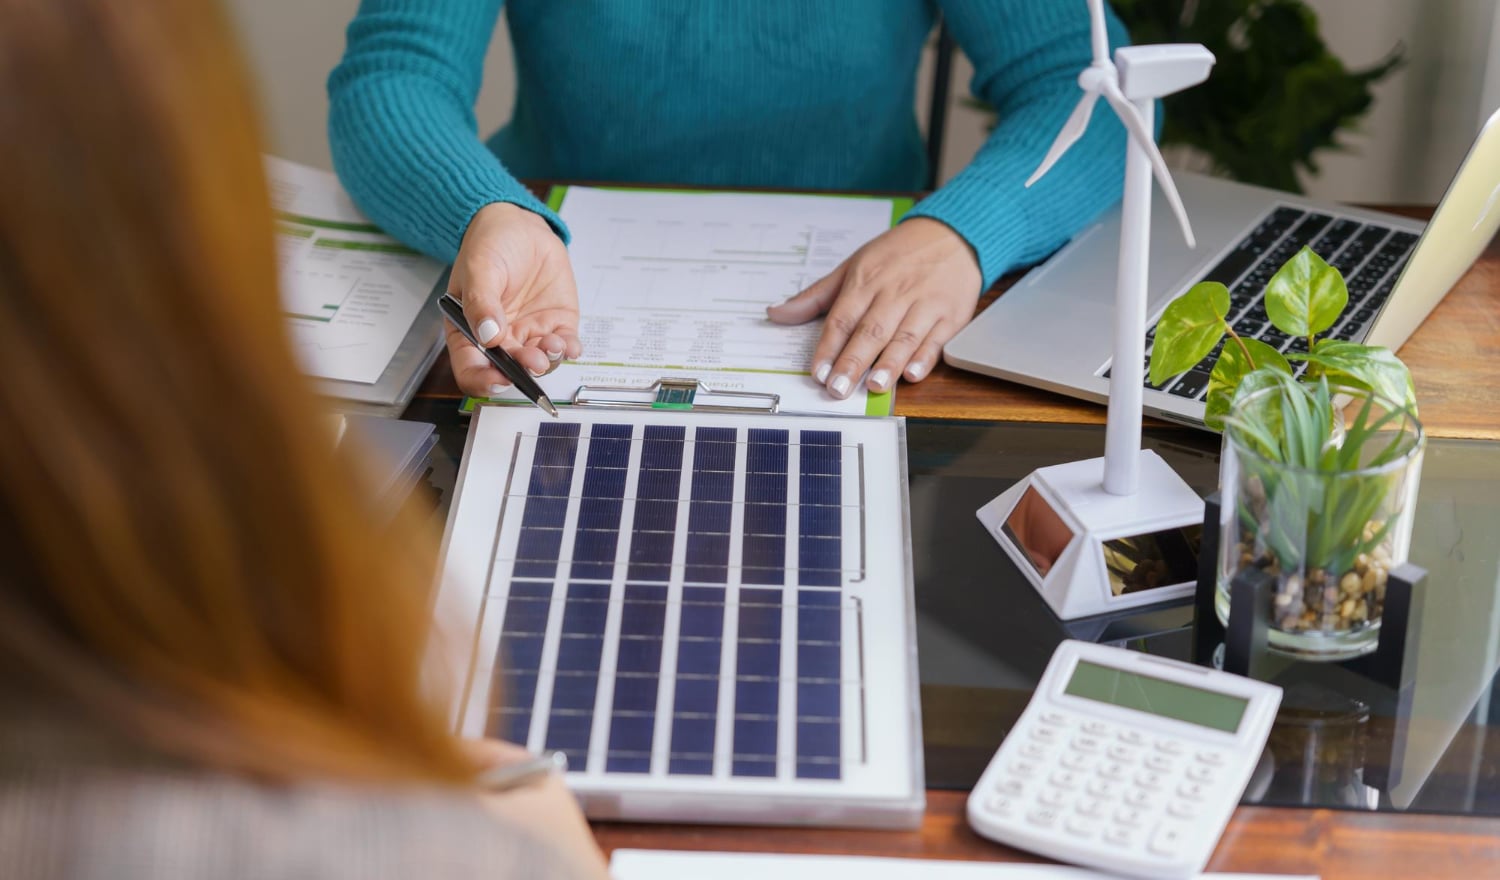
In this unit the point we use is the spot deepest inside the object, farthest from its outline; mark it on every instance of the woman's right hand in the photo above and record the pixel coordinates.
(544, 808)
(513, 276)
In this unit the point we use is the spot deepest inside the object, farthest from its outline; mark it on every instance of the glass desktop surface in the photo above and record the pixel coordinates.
(984, 636)
(1340, 741)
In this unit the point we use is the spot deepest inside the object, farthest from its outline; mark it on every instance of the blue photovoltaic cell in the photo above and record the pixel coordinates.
(757, 671)
(763, 553)
(819, 707)
(654, 533)
(522, 632)
(711, 507)
(820, 513)
(546, 500)
(695, 704)
(642, 617)
(577, 680)
(598, 531)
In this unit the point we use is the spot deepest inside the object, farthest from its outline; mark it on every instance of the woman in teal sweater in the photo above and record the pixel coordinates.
(772, 93)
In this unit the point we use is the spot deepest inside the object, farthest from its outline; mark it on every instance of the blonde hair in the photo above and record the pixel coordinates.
(187, 563)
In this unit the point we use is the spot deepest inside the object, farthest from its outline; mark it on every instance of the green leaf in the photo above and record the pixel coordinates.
(1366, 367)
(1306, 295)
(1231, 370)
(1188, 330)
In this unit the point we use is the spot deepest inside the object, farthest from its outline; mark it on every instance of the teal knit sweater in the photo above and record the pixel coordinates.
(769, 93)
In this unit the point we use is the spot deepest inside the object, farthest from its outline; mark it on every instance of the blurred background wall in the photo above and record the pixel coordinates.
(1423, 118)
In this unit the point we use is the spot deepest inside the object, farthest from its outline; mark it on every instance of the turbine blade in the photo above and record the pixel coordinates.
(1072, 130)
(1100, 35)
(1139, 133)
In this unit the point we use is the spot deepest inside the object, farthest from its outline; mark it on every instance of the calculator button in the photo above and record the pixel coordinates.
(1160, 763)
(1056, 719)
(1129, 816)
(1202, 773)
(1212, 758)
(1192, 791)
(1079, 827)
(1065, 779)
(1150, 779)
(1123, 754)
(1140, 799)
(1089, 806)
(1169, 746)
(1034, 752)
(1086, 743)
(1132, 737)
(1042, 816)
(1043, 734)
(1053, 797)
(999, 805)
(1094, 728)
(1182, 809)
(1011, 787)
(1119, 836)
(1113, 770)
(1103, 788)
(1079, 761)
(1168, 839)
(1025, 769)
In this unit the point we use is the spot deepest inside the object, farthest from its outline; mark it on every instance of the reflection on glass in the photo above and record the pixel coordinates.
(1160, 559)
(1037, 529)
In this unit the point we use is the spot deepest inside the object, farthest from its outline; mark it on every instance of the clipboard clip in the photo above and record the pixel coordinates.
(677, 394)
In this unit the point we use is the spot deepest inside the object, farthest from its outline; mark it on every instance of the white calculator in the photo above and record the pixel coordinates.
(1125, 762)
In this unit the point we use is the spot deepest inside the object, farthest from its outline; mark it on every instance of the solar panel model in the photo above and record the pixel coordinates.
(710, 613)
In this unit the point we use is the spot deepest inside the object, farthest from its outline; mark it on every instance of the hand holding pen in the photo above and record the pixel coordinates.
(453, 310)
(514, 279)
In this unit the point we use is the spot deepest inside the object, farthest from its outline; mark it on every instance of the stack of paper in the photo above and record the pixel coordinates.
(359, 304)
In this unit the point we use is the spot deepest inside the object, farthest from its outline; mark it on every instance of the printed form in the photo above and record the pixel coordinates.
(349, 291)
(676, 284)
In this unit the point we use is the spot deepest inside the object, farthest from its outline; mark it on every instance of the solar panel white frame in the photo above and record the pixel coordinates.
(881, 783)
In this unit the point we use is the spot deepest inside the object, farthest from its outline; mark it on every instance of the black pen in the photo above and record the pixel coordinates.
(453, 310)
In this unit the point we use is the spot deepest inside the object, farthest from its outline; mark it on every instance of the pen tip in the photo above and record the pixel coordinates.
(546, 404)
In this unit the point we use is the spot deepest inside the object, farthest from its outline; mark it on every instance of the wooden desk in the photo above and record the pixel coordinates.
(1455, 360)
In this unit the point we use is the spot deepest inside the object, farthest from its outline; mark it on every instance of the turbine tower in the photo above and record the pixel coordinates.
(1131, 84)
(1075, 529)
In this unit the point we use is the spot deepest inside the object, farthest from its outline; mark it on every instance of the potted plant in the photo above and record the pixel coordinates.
(1316, 493)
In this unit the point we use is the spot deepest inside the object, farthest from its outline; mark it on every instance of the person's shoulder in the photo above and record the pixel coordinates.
(167, 825)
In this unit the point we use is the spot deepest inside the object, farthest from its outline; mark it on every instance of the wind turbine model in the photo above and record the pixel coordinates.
(1107, 534)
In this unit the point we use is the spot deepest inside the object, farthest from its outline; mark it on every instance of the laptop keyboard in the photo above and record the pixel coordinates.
(1369, 255)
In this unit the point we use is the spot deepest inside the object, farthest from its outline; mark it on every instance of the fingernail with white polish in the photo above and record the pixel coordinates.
(915, 369)
(880, 379)
(486, 330)
(497, 390)
(820, 372)
(840, 386)
(554, 356)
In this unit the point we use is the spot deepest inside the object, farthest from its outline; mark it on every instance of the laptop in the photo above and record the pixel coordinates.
(1054, 328)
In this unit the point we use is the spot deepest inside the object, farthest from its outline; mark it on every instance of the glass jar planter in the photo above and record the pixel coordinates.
(1327, 537)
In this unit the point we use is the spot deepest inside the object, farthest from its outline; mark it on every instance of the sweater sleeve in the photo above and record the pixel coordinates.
(1027, 55)
(401, 121)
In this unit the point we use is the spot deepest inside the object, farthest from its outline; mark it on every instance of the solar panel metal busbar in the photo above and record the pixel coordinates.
(710, 613)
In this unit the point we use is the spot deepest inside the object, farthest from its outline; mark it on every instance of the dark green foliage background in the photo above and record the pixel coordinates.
(1276, 96)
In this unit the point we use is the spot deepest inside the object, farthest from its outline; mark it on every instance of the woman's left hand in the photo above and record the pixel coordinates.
(890, 306)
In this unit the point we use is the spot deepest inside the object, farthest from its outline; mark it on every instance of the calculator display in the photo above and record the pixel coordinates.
(1156, 696)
